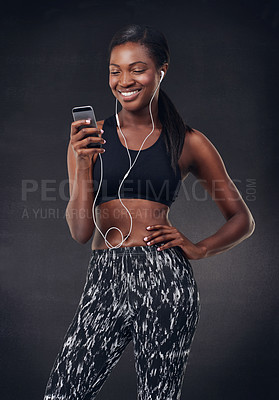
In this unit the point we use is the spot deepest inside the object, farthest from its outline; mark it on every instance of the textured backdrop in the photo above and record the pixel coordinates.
(223, 80)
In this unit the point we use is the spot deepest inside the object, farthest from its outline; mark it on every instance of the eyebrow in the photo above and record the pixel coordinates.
(136, 62)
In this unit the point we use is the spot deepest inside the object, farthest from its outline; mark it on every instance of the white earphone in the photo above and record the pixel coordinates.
(125, 176)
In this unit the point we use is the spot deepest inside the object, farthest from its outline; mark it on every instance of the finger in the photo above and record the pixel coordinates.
(86, 132)
(78, 137)
(150, 227)
(76, 124)
(87, 152)
(91, 131)
(160, 238)
(90, 139)
(167, 245)
(156, 234)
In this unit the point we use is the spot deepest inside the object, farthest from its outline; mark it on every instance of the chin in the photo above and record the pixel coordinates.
(129, 105)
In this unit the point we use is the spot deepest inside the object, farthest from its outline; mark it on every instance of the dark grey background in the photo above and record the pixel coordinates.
(223, 80)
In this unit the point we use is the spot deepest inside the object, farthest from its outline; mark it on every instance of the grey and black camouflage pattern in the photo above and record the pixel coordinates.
(131, 293)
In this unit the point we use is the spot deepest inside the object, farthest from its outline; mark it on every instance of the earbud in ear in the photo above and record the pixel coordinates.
(162, 74)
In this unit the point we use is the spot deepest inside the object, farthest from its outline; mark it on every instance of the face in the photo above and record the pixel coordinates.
(133, 76)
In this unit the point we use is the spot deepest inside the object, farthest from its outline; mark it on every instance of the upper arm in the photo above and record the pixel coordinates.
(208, 166)
(71, 160)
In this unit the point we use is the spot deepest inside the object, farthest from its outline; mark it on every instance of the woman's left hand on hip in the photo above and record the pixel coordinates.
(172, 237)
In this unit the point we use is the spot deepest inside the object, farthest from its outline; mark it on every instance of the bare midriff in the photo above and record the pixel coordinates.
(112, 213)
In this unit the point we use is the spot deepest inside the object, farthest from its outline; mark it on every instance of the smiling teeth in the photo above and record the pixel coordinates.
(129, 93)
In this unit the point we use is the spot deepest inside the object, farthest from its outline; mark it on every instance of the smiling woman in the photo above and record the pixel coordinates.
(132, 69)
(141, 288)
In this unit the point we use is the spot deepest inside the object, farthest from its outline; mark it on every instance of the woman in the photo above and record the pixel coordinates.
(140, 284)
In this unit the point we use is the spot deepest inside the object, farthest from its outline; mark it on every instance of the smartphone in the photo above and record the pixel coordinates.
(86, 112)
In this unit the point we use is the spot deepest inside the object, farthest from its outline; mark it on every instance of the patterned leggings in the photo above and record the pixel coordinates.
(136, 293)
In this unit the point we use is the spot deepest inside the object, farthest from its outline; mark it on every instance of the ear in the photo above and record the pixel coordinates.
(164, 69)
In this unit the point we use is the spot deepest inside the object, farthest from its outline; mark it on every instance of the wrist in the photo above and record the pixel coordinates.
(81, 168)
(203, 250)
(83, 173)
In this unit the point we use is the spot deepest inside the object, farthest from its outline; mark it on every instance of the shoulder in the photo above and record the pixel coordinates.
(100, 124)
(201, 151)
(196, 139)
(108, 122)
(195, 147)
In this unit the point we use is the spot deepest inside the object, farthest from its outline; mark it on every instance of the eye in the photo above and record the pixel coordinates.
(137, 71)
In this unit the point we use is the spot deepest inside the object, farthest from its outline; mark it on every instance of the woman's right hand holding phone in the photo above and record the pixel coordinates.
(79, 143)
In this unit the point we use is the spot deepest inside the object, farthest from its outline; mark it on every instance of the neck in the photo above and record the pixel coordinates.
(140, 117)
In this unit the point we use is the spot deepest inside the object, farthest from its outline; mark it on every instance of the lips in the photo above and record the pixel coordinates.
(129, 94)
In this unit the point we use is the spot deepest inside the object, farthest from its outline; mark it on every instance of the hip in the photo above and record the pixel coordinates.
(143, 266)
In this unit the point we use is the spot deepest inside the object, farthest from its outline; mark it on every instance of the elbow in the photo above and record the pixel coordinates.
(249, 224)
(81, 236)
(250, 229)
(80, 232)
(253, 225)
(81, 239)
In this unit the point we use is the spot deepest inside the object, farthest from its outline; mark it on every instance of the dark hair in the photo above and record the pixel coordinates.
(174, 128)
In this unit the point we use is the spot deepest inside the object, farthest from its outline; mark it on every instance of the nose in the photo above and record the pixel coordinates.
(125, 79)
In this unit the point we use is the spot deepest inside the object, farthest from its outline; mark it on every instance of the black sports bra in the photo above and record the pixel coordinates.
(151, 177)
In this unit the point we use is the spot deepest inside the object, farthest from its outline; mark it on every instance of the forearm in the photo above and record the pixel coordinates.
(79, 208)
(234, 231)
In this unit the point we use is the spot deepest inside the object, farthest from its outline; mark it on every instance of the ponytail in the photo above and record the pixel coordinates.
(174, 128)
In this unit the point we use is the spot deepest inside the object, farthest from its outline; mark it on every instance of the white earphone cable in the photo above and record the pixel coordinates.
(125, 176)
